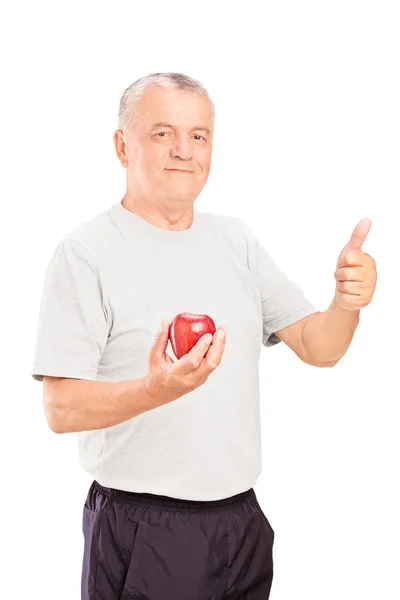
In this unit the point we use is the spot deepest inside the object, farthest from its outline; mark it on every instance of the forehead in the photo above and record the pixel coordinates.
(181, 108)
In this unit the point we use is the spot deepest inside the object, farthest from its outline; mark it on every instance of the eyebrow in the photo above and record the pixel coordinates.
(199, 128)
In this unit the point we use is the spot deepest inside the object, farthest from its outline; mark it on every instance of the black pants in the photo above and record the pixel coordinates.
(150, 547)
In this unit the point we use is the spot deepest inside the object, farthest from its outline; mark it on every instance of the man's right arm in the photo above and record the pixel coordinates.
(81, 405)
(73, 405)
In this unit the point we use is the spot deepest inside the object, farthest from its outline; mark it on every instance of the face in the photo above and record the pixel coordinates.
(167, 151)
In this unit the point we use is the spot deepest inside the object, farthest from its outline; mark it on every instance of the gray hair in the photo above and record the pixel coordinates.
(132, 96)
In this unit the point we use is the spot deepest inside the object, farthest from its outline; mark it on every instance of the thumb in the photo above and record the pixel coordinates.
(161, 340)
(357, 239)
(359, 234)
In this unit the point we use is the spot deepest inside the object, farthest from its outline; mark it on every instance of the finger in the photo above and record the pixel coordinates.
(349, 274)
(160, 343)
(214, 354)
(191, 361)
(351, 258)
(350, 288)
(169, 360)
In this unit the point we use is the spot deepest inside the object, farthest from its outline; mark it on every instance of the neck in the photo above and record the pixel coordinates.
(166, 218)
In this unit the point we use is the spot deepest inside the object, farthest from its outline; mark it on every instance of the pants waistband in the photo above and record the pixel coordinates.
(146, 499)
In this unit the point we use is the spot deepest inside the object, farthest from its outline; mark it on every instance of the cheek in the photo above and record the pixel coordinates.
(156, 158)
(206, 167)
(150, 154)
(204, 160)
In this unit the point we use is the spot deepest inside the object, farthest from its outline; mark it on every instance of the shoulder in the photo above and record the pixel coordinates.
(89, 239)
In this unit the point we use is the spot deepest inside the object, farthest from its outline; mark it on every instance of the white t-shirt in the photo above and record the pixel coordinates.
(108, 286)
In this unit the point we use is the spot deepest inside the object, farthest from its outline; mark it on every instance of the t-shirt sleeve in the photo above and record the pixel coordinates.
(283, 302)
(73, 324)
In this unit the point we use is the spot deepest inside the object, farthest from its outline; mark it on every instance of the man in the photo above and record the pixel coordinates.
(174, 447)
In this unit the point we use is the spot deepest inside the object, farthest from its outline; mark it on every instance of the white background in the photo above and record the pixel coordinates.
(307, 144)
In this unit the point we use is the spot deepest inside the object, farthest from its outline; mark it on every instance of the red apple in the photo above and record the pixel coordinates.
(186, 329)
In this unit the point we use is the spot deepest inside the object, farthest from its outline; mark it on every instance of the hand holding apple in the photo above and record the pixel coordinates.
(168, 380)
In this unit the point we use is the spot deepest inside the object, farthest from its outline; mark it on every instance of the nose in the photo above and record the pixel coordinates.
(181, 148)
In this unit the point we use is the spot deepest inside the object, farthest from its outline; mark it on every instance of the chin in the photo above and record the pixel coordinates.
(184, 198)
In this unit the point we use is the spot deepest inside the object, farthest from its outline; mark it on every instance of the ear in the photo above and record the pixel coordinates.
(120, 147)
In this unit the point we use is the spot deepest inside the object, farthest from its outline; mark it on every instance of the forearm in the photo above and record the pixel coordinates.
(73, 405)
(327, 335)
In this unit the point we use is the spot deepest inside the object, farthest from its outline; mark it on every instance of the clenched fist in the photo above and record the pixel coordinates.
(355, 271)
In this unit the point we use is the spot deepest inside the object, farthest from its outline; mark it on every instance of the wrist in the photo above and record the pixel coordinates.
(147, 388)
(336, 307)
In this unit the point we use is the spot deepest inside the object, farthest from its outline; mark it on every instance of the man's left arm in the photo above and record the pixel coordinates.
(323, 338)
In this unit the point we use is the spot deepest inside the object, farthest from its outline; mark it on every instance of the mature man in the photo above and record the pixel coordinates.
(174, 447)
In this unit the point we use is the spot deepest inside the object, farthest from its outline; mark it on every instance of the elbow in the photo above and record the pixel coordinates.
(327, 364)
(55, 414)
(57, 429)
(331, 364)
(55, 421)
(54, 408)
(321, 364)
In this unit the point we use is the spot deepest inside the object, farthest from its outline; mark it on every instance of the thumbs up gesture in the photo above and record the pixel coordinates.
(355, 271)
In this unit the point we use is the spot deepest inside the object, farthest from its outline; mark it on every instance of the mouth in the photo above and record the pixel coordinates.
(179, 171)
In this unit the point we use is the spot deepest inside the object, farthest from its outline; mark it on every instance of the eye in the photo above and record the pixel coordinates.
(163, 135)
(197, 135)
